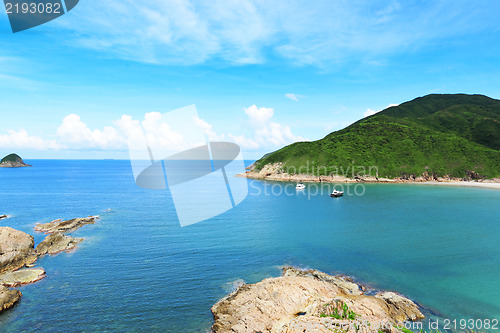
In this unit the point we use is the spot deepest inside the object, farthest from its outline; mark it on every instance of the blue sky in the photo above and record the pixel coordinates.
(262, 74)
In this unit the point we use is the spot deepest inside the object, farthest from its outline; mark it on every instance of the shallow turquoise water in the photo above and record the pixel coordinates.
(138, 270)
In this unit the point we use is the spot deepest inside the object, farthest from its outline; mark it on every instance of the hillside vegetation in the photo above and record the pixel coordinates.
(456, 135)
(12, 158)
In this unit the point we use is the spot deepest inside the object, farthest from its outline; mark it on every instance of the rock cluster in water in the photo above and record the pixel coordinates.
(65, 226)
(57, 242)
(311, 301)
(18, 254)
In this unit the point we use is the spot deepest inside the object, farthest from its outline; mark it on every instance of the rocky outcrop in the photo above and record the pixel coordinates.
(400, 307)
(310, 301)
(16, 249)
(57, 242)
(13, 161)
(22, 276)
(4, 217)
(65, 226)
(277, 172)
(8, 297)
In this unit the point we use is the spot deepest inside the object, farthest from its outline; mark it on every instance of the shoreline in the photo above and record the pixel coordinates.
(492, 185)
(487, 183)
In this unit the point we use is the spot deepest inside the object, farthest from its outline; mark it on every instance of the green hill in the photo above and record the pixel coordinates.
(12, 161)
(439, 134)
(12, 158)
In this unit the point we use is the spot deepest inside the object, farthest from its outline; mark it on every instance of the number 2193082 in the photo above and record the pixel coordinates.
(33, 8)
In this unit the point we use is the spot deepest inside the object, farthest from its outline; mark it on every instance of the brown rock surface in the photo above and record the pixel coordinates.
(57, 242)
(302, 301)
(8, 297)
(22, 276)
(65, 226)
(16, 249)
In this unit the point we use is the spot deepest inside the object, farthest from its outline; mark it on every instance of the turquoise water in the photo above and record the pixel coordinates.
(138, 270)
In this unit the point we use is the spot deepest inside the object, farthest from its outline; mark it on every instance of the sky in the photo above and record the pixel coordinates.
(262, 74)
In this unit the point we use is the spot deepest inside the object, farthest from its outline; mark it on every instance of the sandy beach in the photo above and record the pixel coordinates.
(492, 185)
(271, 174)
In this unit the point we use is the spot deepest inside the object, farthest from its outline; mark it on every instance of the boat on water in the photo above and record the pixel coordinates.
(336, 194)
(300, 186)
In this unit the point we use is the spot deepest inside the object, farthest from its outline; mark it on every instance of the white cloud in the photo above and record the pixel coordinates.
(244, 142)
(207, 130)
(159, 134)
(21, 140)
(126, 132)
(74, 133)
(293, 97)
(259, 115)
(370, 112)
(265, 134)
(173, 32)
(243, 32)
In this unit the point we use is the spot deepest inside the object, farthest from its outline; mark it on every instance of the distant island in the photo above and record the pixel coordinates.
(431, 138)
(13, 161)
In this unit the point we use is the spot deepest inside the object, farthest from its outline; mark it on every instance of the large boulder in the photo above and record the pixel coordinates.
(310, 301)
(16, 249)
(8, 297)
(57, 242)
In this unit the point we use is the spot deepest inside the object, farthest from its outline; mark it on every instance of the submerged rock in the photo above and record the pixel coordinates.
(310, 301)
(8, 297)
(65, 226)
(16, 249)
(13, 161)
(22, 276)
(57, 242)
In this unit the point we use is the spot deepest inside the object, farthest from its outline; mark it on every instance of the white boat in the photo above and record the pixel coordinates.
(336, 194)
(300, 186)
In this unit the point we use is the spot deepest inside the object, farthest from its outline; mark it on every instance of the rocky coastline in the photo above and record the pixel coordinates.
(275, 172)
(312, 301)
(18, 254)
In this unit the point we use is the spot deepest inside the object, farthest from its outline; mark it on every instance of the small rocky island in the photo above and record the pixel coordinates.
(13, 161)
(18, 254)
(312, 301)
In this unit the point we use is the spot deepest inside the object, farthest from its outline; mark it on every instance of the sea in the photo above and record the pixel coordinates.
(138, 270)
